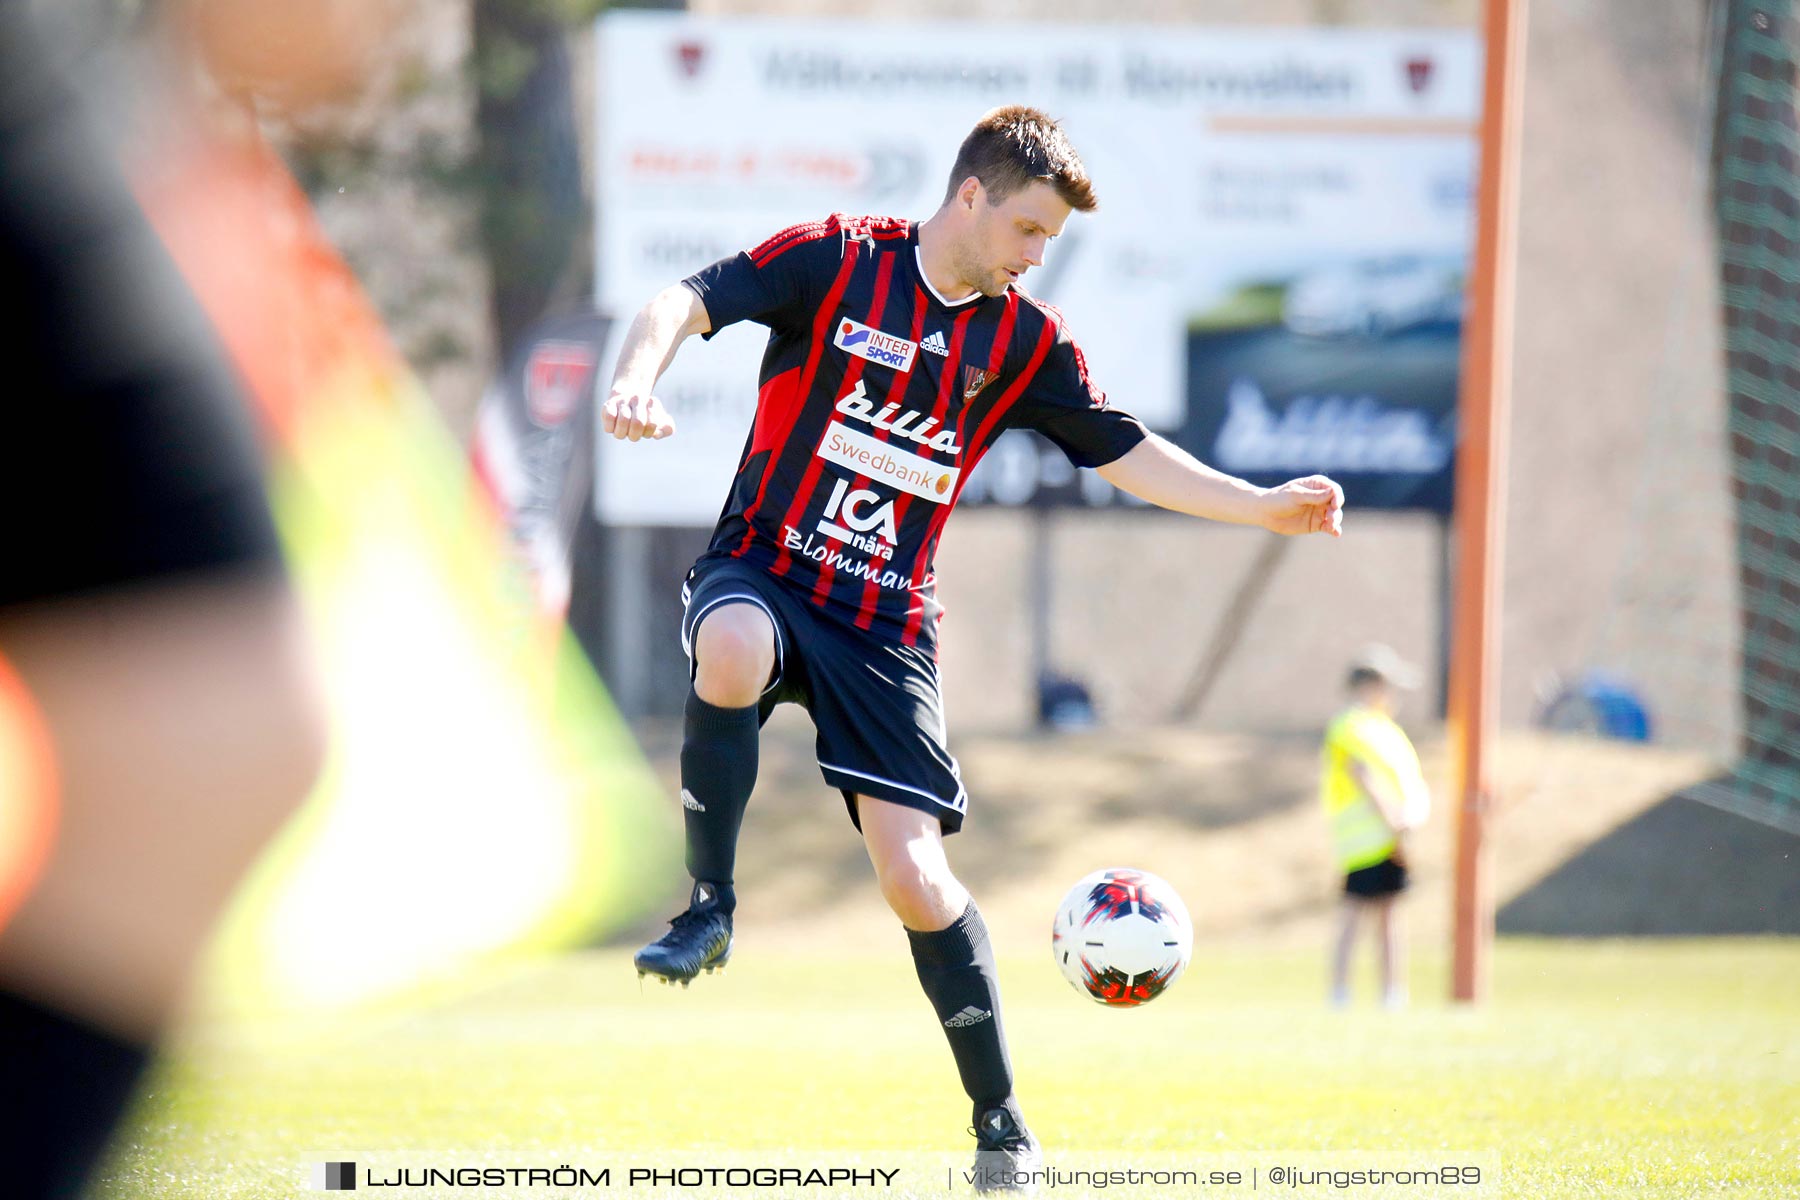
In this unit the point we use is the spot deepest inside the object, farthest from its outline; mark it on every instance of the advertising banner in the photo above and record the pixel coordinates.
(1273, 277)
(533, 445)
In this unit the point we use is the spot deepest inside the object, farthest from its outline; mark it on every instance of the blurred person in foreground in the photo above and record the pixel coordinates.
(151, 649)
(898, 352)
(1373, 794)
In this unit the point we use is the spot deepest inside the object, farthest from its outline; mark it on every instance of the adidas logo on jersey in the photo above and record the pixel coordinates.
(968, 1016)
(936, 345)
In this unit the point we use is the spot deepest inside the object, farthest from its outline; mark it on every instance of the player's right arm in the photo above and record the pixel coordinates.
(778, 283)
(631, 412)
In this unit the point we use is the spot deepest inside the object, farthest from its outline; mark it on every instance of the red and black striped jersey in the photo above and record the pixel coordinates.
(878, 397)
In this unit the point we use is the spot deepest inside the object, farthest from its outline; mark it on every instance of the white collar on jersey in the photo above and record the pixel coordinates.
(920, 260)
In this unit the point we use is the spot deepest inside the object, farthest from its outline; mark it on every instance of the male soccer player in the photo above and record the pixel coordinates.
(897, 354)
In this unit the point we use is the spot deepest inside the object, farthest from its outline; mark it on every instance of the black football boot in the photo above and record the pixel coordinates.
(1007, 1157)
(698, 940)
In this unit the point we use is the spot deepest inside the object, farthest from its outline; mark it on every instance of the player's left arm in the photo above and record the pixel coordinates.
(1162, 473)
(1063, 404)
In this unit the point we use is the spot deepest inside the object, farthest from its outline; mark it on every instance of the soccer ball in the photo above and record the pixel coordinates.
(1122, 937)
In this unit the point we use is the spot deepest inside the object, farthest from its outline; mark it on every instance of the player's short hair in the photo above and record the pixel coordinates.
(1013, 145)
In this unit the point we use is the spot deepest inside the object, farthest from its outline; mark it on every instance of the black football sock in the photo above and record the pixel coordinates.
(956, 969)
(66, 1083)
(718, 773)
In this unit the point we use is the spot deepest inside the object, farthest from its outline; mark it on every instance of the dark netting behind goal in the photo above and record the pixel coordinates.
(1756, 196)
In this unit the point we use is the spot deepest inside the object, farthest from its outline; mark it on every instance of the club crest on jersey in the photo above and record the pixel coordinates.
(907, 425)
(973, 380)
(874, 345)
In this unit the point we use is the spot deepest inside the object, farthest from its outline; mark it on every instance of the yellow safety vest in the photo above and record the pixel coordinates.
(1363, 735)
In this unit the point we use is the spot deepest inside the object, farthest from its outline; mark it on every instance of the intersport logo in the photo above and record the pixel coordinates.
(874, 345)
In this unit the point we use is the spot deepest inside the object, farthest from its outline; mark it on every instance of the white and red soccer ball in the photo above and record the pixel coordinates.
(1122, 936)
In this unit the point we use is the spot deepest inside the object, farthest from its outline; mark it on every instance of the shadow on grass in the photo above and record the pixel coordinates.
(1678, 869)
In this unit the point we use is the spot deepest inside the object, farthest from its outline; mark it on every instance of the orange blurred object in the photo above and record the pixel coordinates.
(27, 791)
(290, 312)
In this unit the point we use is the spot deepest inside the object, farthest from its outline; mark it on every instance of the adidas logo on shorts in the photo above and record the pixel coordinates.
(967, 1017)
(688, 801)
(935, 344)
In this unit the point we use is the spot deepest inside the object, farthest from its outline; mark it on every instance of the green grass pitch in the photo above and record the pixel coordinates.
(1599, 1069)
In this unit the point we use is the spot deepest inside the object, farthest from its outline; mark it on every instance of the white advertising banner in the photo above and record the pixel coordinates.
(1220, 156)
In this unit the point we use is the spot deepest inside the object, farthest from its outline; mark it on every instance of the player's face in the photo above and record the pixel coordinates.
(1009, 238)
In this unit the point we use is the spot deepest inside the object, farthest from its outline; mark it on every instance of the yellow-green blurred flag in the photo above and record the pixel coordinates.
(483, 799)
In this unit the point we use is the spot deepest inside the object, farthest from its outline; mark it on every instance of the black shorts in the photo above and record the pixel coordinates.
(877, 706)
(130, 457)
(1377, 881)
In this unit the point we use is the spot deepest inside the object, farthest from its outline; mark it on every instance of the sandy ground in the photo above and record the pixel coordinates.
(1230, 819)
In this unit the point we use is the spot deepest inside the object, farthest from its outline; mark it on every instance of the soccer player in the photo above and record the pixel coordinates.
(1373, 793)
(898, 353)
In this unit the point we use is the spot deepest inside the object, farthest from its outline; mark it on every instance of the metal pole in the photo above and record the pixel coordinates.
(1480, 494)
(1040, 580)
(628, 613)
(1229, 632)
(1446, 605)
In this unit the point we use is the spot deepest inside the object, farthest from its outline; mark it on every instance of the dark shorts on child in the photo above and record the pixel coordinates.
(1377, 881)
